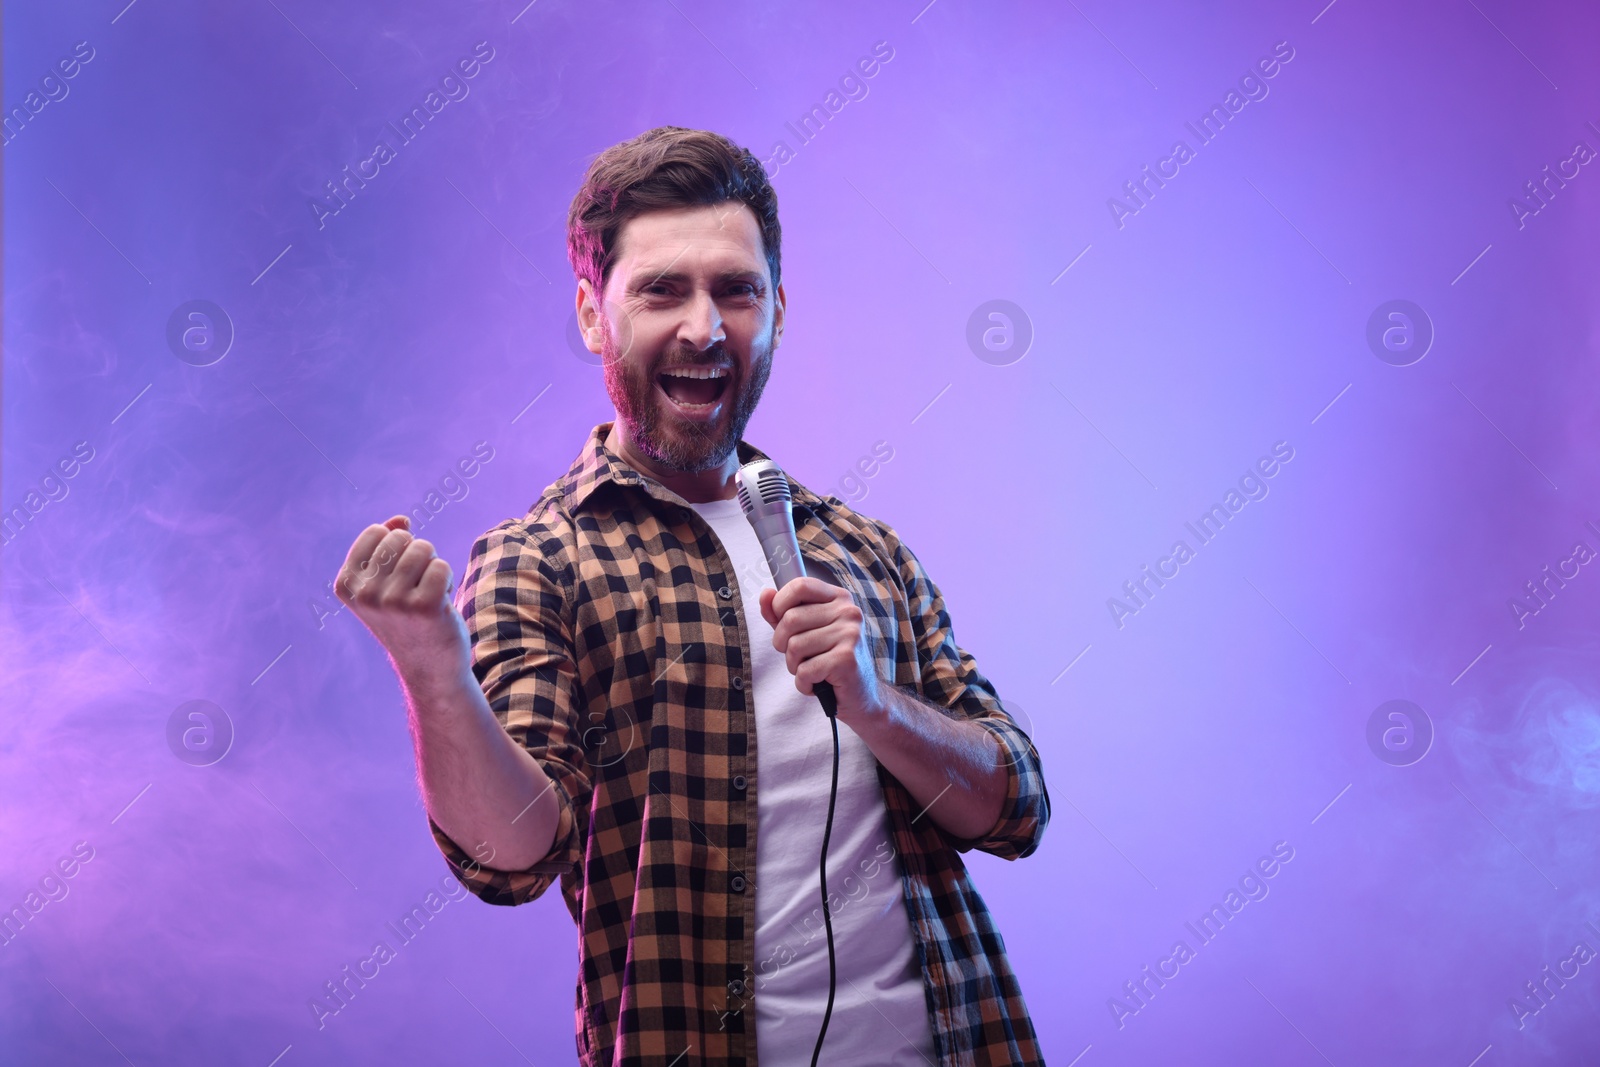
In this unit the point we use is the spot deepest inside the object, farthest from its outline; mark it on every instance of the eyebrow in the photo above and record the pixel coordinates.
(676, 277)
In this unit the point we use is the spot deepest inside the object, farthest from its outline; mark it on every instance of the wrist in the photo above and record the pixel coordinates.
(430, 684)
(879, 718)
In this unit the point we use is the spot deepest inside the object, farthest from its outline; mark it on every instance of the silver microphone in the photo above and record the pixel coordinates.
(764, 495)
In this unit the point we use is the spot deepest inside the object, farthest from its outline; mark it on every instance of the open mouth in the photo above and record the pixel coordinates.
(694, 390)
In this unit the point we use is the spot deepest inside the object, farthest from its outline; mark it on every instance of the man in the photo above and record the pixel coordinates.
(613, 699)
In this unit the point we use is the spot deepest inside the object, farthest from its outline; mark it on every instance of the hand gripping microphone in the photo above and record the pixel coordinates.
(767, 502)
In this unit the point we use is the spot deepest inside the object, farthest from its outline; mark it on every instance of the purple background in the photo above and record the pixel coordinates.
(189, 557)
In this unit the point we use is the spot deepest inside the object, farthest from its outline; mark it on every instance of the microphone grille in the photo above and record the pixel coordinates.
(761, 485)
(774, 487)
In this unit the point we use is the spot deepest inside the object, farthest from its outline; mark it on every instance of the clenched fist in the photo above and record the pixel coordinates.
(400, 589)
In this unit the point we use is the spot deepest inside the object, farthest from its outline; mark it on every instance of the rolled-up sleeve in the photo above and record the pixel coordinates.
(950, 678)
(522, 656)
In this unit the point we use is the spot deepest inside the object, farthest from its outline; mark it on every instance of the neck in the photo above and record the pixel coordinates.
(697, 487)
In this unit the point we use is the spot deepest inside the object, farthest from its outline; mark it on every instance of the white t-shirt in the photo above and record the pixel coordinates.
(880, 1010)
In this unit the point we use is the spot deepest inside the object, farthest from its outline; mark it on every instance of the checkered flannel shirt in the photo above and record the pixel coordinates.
(608, 638)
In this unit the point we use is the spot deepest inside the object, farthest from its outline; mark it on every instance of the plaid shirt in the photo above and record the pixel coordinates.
(608, 638)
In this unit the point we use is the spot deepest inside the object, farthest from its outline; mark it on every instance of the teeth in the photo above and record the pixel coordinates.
(697, 372)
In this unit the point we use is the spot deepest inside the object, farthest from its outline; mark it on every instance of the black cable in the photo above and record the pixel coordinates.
(824, 693)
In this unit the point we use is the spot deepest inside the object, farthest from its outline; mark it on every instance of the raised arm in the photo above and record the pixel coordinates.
(481, 787)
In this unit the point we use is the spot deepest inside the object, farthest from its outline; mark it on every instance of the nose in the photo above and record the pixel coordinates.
(702, 324)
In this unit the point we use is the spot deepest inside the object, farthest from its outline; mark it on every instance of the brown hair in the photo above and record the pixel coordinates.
(667, 167)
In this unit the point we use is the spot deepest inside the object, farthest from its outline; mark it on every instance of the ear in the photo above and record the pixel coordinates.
(590, 325)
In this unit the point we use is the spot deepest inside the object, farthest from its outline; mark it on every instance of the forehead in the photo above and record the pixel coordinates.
(712, 237)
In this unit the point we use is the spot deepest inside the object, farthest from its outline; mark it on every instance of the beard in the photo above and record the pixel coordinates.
(673, 442)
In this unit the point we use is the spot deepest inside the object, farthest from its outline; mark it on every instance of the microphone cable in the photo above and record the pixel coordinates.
(824, 693)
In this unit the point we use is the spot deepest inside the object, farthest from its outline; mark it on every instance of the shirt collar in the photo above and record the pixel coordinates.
(598, 464)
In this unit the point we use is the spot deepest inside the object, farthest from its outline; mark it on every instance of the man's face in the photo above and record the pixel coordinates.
(689, 322)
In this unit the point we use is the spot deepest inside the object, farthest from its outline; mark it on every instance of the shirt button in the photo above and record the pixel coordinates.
(738, 681)
(739, 781)
(683, 514)
(725, 593)
(736, 987)
(737, 883)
